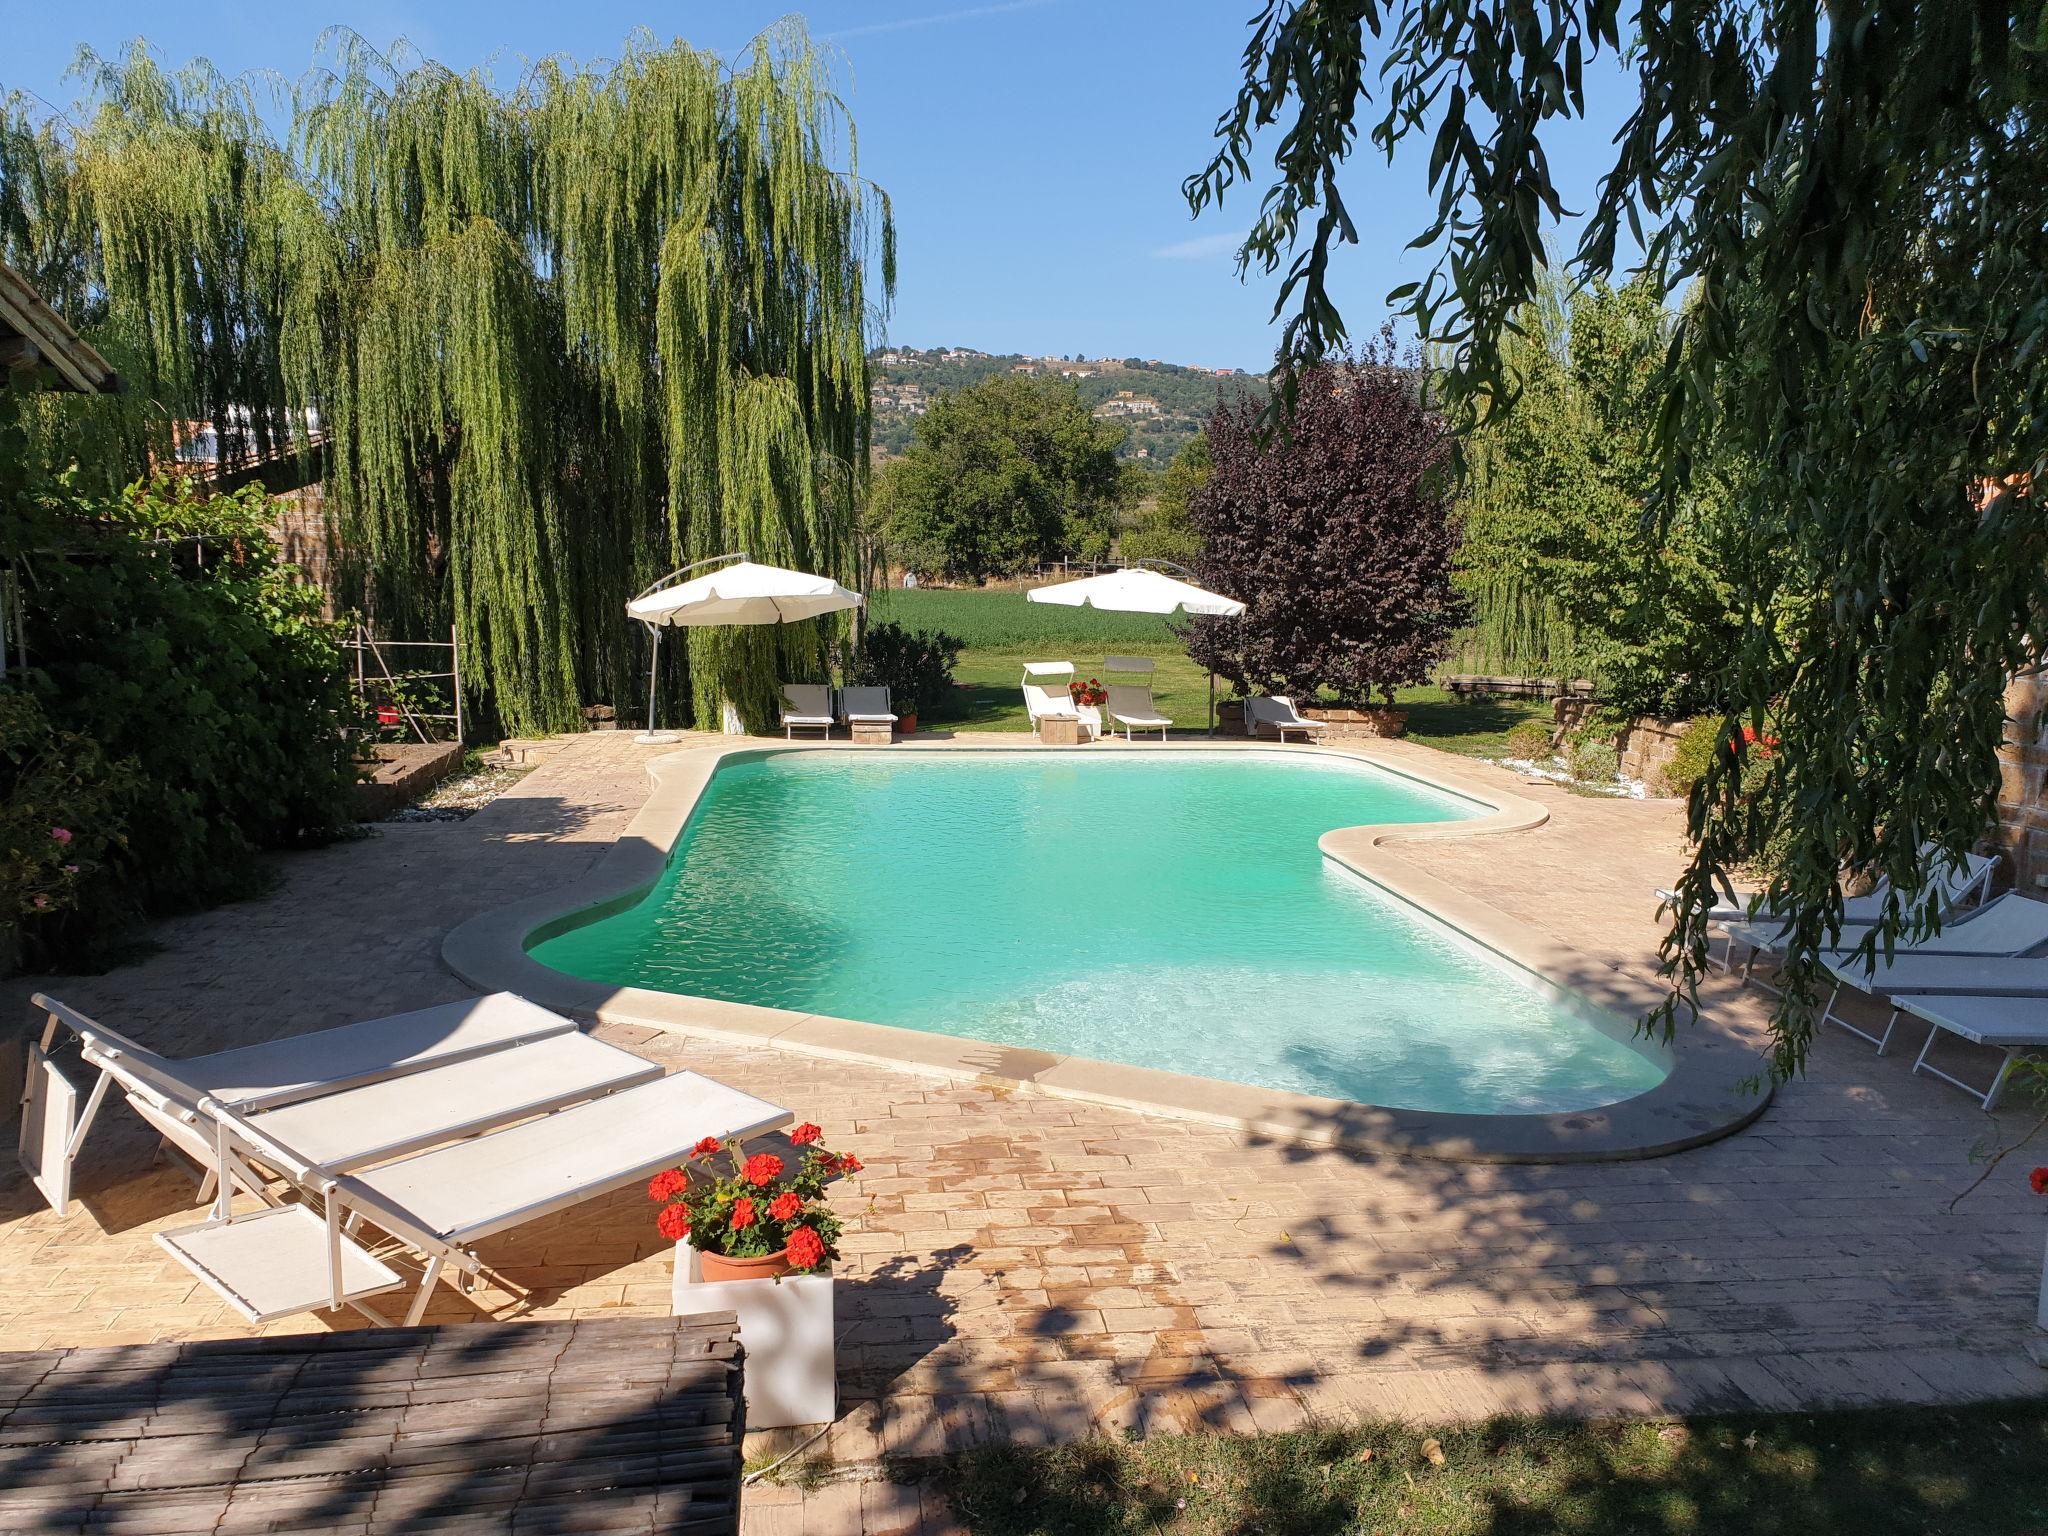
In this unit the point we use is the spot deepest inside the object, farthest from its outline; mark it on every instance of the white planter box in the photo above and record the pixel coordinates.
(792, 1374)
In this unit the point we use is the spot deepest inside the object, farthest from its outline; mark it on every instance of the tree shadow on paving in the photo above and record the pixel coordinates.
(613, 1425)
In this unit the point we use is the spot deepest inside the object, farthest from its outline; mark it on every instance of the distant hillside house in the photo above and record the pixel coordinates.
(1124, 403)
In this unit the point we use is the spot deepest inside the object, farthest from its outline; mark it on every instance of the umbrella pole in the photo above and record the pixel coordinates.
(1212, 703)
(651, 735)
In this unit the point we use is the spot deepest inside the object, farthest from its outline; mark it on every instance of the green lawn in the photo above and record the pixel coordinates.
(1971, 1472)
(1003, 630)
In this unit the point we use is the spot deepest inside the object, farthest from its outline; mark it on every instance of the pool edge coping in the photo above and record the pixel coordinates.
(1711, 1090)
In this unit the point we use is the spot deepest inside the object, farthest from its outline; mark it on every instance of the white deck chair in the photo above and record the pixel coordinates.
(1130, 706)
(435, 1206)
(363, 1091)
(1046, 697)
(806, 707)
(2012, 1024)
(868, 705)
(1957, 886)
(1278, 712)
(1976, 945)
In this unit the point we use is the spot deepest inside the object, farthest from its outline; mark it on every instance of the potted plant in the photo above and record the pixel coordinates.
(757, 1220)
(1090, 693)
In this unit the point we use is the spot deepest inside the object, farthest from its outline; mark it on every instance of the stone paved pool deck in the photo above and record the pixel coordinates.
(1026, 1267)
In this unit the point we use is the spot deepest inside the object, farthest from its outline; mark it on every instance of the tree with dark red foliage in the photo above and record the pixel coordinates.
(1336, 530)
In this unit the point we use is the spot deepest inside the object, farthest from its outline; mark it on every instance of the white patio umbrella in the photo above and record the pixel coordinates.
(1142, 589)
(741, 593)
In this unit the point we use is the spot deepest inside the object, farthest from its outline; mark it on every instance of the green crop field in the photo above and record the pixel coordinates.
(1002, 629)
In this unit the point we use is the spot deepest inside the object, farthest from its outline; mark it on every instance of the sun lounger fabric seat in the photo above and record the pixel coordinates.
(806, 707)
(1131, 706)
(1279, 714)
(168, 1093)
(2012, 1024)
(432, 1206)
(1953, 886)
(1977, 953)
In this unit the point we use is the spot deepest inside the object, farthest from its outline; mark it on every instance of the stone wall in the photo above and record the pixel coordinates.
(2022, 799)
(1647, 747)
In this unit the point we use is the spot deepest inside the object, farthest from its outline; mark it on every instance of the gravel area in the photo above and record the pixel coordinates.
(461, 797)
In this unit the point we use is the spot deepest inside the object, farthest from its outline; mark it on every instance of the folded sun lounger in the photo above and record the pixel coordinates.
(807, 707)
(2013, 1024)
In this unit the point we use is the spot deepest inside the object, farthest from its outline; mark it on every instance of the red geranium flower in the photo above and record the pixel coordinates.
(805, 1134)
(673, 1222)
(742, 1213)
(806, 1248)
(667, 1184)
(785, 1205)
(849, 1164)
(706, 1147)
(761, 1169)
(2039, 1180)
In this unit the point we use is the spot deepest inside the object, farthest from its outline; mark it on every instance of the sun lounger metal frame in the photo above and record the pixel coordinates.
(1940, 1012)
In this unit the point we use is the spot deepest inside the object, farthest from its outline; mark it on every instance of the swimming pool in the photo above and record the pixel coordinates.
(1165, 909)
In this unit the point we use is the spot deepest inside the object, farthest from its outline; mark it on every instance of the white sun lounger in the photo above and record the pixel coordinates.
(866, 706)
(1046, 697)
(1279, 712)
(2012, 1024)
(807, 707)
(362, 1091)
(1977, 953)
(1130, 706)
(1955, 886)
(434, 1206)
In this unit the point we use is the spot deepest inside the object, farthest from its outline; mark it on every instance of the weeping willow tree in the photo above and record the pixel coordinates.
(551, 341)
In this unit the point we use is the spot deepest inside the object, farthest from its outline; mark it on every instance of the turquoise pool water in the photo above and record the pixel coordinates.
(1167, 910)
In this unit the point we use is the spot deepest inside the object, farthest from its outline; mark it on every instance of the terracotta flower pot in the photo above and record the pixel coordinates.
(906, 725)
(717, 1266)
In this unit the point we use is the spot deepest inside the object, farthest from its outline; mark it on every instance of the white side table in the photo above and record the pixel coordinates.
(786, 1327)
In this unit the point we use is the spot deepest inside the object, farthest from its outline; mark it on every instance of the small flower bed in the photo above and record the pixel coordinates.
(757, 1209)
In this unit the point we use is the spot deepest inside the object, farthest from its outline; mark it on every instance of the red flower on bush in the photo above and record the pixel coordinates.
(667, 1184)
(762, 1169)
(804, 1134)
(2039, 1180)
(806, 1248)
(785, 1205)
(706, 1147)
(673, 1222)
(742, 1214)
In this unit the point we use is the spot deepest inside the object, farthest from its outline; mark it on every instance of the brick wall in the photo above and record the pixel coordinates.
(302, 537)
(2023, 767)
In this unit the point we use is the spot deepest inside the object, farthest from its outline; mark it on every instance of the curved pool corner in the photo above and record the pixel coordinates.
(1714, 1085)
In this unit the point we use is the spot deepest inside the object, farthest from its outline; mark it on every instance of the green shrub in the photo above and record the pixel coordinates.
(916, 668)
(1689, 759)
(1594, 760)
(1530, 740)
(166, 629)
(63, 814)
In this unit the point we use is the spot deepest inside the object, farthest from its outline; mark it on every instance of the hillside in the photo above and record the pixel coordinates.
(1161, 404)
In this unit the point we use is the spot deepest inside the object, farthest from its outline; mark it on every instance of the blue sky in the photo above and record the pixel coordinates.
(1034, 149)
